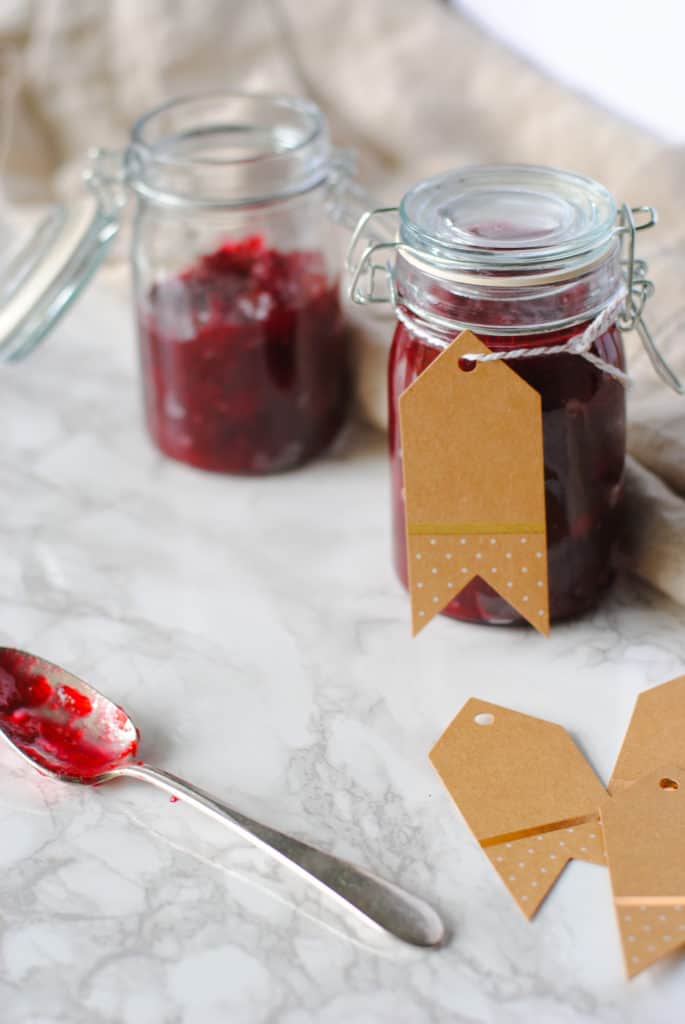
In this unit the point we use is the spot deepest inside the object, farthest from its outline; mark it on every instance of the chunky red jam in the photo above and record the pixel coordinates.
(245, 360)
(583, 419)
(57, 726)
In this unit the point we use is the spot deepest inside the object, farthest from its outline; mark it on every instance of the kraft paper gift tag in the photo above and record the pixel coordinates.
(644, 828)
(526, 792)
(656, 734)
(473, 467)
(644, 835)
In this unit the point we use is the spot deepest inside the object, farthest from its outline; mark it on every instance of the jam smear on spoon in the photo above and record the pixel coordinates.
(52, 724)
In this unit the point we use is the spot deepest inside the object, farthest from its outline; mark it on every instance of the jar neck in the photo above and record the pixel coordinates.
(228, 150)
(500, 305)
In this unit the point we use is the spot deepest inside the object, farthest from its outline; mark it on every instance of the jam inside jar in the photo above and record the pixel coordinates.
(245, 359)
(244, 356)
(525, 257)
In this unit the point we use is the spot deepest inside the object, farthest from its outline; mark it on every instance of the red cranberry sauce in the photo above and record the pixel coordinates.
(51, 724)
(583, 419)
(245, 360)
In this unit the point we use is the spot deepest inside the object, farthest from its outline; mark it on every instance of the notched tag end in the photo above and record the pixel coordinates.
(442, 564)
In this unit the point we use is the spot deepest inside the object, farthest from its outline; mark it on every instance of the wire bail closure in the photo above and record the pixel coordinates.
(639, 289)
(365, 268)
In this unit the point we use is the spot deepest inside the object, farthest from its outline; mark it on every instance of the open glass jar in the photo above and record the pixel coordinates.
(245, 361)
(526, 257)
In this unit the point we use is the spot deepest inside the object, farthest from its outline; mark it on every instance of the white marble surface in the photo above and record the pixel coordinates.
(255, 631)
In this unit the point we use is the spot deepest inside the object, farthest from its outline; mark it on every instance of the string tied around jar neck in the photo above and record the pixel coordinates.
(579, 344)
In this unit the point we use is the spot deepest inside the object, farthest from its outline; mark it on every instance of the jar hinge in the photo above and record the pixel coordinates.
(365, 266)
(639, 289)
(346, 199)
(105, 177)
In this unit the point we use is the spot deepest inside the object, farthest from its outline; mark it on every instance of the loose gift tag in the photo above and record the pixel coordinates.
(656, 734)
(644, 835)
(474, 485)
(526, 792)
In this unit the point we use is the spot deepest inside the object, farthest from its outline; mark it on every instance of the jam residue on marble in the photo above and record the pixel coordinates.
(59, 727)
(245, 360)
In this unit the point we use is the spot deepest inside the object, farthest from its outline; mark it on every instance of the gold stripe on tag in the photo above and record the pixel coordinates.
(457, 529)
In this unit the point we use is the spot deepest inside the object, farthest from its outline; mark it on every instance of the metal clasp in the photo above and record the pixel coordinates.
(344, 196)
(365, 265)
(639, 289)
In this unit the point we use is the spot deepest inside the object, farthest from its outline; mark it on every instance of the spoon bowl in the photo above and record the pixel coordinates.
(68, 730)
(59, 723)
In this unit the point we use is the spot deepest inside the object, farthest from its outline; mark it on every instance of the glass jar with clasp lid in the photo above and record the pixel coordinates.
(540, 264)
(245, 359)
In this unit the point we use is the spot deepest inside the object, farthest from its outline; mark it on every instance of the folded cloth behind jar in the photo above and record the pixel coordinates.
(414, 88)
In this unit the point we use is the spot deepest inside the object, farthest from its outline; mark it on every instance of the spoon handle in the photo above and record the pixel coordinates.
(386, 905)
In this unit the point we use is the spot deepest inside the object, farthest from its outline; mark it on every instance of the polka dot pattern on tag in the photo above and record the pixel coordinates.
(515, 565)
(648, 933)
(529, 867)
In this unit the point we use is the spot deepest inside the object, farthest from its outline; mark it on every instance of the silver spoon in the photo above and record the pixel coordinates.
(70, 731)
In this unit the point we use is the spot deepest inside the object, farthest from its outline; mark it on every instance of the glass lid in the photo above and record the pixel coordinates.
(40, 281)
(507, 216)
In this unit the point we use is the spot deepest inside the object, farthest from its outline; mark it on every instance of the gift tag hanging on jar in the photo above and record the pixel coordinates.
(472, 451)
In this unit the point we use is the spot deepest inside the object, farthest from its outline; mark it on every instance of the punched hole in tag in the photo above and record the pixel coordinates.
(484, 718)
(669, 784)
(467, 365)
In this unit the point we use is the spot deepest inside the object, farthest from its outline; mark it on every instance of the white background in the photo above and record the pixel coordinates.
(628, 55)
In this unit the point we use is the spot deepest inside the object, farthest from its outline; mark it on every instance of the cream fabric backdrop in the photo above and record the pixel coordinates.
(415, 89)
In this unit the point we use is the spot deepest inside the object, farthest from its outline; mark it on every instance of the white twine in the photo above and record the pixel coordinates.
(579, 345)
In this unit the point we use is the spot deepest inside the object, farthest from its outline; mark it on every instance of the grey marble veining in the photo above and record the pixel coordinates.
(255, 631)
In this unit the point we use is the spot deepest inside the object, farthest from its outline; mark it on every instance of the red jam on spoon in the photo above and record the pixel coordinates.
(57, 726)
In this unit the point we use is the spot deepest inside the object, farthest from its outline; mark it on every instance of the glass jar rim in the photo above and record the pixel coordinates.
(228, 148)
(286, 103)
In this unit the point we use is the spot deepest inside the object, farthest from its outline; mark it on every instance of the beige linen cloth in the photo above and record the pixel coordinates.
(415, 89)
